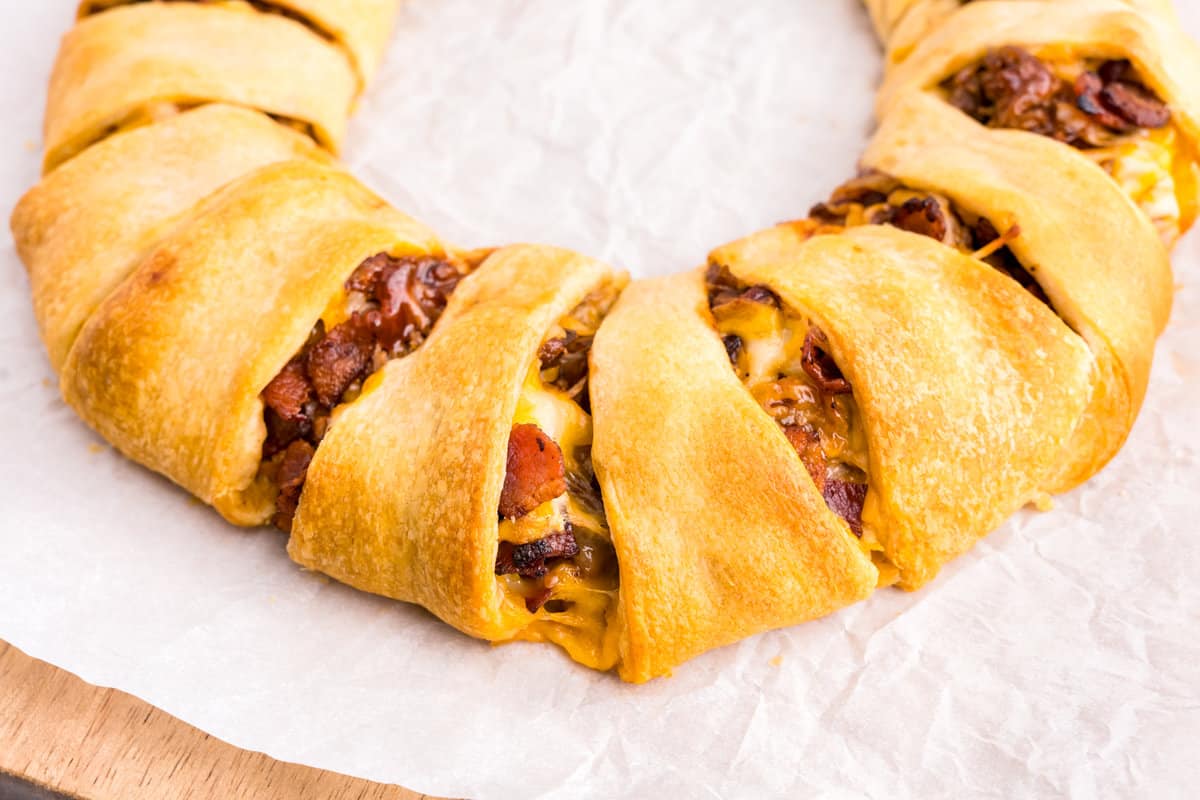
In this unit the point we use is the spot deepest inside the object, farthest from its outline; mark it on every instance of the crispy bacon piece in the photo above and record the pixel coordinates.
(922, 215)
(568, 354)
(411, 293)
(292, 470)
(286, 399)
(808, 444)
(724, 288)
(339, 359)
(1118, 99)
(1012, 88)
(846, 500)
(404, 298)
(733, 346)
(819, 365)
(1008, 88)
(536, 472)
(529, 560)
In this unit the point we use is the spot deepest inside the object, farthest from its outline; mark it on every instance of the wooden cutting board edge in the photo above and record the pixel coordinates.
(60, 736)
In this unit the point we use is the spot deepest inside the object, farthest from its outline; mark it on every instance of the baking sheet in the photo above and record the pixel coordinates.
(1058, 658)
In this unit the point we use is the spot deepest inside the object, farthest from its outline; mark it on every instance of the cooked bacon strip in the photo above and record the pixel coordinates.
(568, 354)
(819, 365)
(292, 470)
(339, 359)
(808, 444)
(397, 302)
(846, 500)
(536, 472)
(286, 399)
(529, 560)
(733, 346)
(921, 215)
(724, 288)
(1012, 88)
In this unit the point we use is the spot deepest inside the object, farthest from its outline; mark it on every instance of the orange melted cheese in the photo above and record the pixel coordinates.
(580, 614)
(770, 367)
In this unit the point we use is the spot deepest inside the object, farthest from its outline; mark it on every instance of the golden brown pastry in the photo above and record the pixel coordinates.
(136, 64)
(719, 530)
(503, 437)
(85, 226)
(916, 383)
(1117, 84)
(1074, 239)
(170, 366)
(901, 24)
(469, 465)
(361, 27)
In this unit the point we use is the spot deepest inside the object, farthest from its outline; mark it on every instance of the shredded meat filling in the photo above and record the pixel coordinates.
(293, 468)
(566, 358)
(810, 407)
(879, 199)
(395, 303)
(535, 474)
(1012, 88)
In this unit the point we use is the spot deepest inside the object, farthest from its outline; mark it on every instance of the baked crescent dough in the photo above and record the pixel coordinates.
(835, 404)
(719, 530)
(361, 27)
(169, 367)
(134, 64)
(423, 453)
(901, 24)
(968, 387)
(88, 224)
(1100, 261)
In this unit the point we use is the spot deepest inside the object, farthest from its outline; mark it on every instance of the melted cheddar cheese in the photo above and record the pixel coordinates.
(770, 365)
(580, 613)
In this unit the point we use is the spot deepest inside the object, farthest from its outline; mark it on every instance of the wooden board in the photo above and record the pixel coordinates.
(71, 738)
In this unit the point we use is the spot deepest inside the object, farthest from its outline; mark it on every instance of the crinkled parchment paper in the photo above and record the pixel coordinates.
(1060, 657)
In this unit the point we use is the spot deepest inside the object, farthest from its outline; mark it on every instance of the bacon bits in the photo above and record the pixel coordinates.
(846, 500)
(339, 359)
(819, 365)
(733, 347)
(724, 288)
(529, 560)
(535, 471)
(1117, 99)
(808, 444)
(396, 302)
(1012, 88)
(293, 469)
(567, 356)
(286, 399)
(922, 215)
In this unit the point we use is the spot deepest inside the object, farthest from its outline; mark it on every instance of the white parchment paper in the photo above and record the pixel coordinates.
(1060, 657)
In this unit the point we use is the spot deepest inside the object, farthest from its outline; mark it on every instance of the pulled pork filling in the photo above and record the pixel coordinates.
(387, 309)
(556, 556)
(785, 362)
(1101, 108)
(875, 198)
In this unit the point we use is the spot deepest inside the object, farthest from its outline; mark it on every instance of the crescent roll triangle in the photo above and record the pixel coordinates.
(85, 226)
(134, 64)
(476, 499)
(170, 366)
(361, 27)
(964, 386)
(901, 24)
(533, 450)
(1110, 279)
(1146, 138)
(719, 530)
